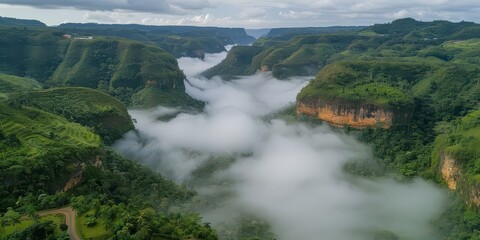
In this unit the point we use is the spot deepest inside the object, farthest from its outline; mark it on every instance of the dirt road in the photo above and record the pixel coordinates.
(70, 215)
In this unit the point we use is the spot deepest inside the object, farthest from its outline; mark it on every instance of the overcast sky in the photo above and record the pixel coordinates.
(240, 13)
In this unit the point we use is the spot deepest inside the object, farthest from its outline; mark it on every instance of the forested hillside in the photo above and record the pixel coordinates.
(305, 55)
(21, 22)
(107, 116)
(121, 68)
(51, 157)
(180, 41)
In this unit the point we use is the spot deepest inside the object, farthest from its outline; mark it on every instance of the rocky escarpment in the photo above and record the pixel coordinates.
(456, 155)
(356, 115)
(454, 176)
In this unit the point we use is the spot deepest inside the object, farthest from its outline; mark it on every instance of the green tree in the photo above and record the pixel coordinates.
(11, 217)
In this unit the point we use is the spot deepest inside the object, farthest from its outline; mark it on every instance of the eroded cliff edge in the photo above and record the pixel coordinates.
(351, 94)
(356, 115)
(456, 156)
(456, 179)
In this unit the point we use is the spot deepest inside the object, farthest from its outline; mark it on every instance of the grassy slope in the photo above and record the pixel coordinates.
(236, 63)
(38, 130)
(10, 84)
(286, 56)
(98, 231)
(7, 230)
(461, 140)
(32, 52)
(41, 145)
(150, 97)
(124, 67)
(301, 56)
(119, 67)
(106, 115)
(375, 82)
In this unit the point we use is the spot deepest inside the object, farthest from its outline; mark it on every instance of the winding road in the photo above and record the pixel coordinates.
(70, 220)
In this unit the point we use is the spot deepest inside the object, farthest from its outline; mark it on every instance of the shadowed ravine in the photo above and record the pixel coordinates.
(287, 174)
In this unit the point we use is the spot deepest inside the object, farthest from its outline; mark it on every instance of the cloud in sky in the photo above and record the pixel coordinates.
(153, 6)
(241, 13)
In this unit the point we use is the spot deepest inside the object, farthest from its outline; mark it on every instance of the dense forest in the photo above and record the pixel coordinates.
(180, 41)
(62, 103)
(57, 137)
(21, 22)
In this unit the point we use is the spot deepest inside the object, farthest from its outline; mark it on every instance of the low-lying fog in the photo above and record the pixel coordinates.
(288, 174)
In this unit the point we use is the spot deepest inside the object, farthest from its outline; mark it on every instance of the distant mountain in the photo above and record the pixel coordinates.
(258, 33)
(288, 52)
(180, 41)
(237, 35)
(288, 33)
(21, 22)
(410, 29)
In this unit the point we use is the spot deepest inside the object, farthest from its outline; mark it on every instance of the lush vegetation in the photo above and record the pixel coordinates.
(301, 56)
(55, 135)
(236, 63)
(375, 82)
(14, 227)
(118, 67)
(460, 139)
(41, 145)
(304, 51)
(107, 116)
(115, 196)
(180, 41)
(51, 155)
(286, 33)
(21, 22)
(9, 84)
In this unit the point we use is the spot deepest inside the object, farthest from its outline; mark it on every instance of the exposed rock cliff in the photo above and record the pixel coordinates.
(454, 176)
(450, 171)
(355, 115)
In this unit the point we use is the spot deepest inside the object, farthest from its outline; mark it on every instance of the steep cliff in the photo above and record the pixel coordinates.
(456, 178)
(356, 115)
(238, 62)
(351, 93)
(102, 113)
(456, 155)
(300, 56)
(119, 67)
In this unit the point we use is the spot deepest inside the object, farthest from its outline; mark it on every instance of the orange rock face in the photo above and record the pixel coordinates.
(453, 175)
(450, 172)
(356, 117)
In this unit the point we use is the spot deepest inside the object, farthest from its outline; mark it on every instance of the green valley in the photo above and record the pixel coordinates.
(403, 100)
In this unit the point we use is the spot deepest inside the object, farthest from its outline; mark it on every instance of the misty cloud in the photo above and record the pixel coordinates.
(249, 13)
(297, 183)
(155, 6)
(288, 174)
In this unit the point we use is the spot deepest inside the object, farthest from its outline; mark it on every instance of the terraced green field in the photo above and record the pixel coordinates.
(36, 131)
(81, 100)
(106, 115)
